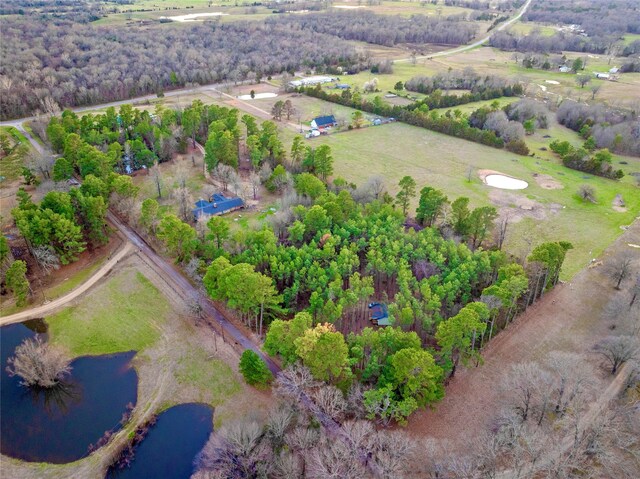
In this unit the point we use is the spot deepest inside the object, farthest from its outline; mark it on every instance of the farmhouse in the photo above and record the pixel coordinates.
(323, 122)
(217, 205)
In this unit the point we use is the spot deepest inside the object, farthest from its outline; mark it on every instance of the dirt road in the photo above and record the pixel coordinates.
(50, 307)
(189, 292)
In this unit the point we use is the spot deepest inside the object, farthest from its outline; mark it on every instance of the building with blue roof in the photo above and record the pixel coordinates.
(217, 205)
(322, 122)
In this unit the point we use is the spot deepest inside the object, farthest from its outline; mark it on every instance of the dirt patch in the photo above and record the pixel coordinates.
(547, 182)
(516, 207)
(618, 204)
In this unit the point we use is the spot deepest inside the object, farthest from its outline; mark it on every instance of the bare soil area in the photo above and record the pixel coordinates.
(515, 206)
(547, 182)
(566, 319)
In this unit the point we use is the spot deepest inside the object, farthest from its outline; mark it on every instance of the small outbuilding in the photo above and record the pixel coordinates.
(565, 69)
(217, 205)
(342, 86)
(379, 314)
(323, 122)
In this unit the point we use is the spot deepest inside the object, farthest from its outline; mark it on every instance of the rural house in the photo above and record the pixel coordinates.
(217, 205)
(323, 122)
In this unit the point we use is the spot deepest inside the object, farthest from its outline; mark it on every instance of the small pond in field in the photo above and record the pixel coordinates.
(59, 424)
(171, 445)
(257, 96)
(505, 182)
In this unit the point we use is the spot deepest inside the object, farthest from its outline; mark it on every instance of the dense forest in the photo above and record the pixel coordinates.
(384, 29)
(72, 64)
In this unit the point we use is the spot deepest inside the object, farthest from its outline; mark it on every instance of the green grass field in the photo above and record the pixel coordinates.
(443, 162)
(122, 314)
(525, 28)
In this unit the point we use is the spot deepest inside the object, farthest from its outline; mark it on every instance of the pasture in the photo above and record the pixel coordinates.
(548, 210)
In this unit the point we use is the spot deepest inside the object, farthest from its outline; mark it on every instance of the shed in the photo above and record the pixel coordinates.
(343, 86)
(379, 314)
(564, 69)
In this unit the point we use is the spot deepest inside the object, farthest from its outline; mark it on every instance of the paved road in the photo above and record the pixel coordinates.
(474, 44)
(189, 292)
(41, 311)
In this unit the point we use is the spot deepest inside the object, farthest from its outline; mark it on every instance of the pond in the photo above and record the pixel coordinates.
(257, 96)
(505, 182)
(171, 445)
(58, 425)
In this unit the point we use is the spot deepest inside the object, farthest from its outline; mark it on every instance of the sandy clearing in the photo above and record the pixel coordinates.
(547, 182)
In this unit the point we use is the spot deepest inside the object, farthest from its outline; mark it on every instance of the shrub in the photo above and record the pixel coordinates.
(587, 193)
(254, 369)
(517, 146)
(39, 364)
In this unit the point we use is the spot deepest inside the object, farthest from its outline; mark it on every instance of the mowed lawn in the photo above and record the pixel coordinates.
(123, 314)
(437, 160)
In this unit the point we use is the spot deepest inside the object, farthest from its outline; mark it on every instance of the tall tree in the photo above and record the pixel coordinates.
(430, 205)
(407, 192)
(323, 162)
(17, 282)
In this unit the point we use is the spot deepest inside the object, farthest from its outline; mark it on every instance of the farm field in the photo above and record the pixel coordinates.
(444, 162)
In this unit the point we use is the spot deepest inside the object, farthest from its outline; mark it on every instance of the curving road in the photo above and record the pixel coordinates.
(40, 311)
(476, 44)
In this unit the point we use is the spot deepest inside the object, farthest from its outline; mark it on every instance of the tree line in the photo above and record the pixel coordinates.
(467, 79)
(419, 114)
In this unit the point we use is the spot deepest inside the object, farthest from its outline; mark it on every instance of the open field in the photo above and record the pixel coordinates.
(538, 214)
(525, 28)
(124, 314)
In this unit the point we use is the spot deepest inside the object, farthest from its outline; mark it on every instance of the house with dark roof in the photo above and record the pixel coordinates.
(217, 205)
(323, 122)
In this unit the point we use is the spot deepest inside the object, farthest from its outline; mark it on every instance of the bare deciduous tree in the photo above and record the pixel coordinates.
(617, 350)
(620, 268)
(46, 258)
(39, 364)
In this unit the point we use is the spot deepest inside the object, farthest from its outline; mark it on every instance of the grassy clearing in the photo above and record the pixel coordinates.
(525, 28)
(11, 165)
(122, 314)
(213, 378)
(443, 162)
(27, 126)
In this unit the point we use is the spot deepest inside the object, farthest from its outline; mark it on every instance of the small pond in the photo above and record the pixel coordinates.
(171, 445)
(58, 425)
(505, 182)
(257, 96)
